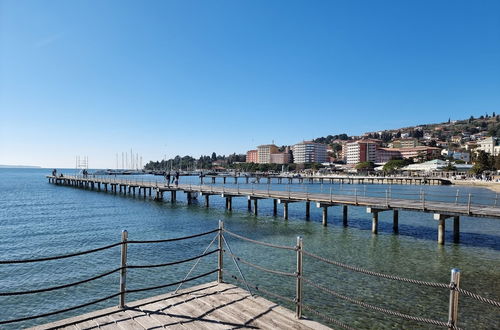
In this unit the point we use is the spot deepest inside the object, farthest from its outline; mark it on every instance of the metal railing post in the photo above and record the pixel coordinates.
(423, 200)
(123, 271)
(453, 308)
(456, 197)
(356, 196)
(298, 297)
(220, 253)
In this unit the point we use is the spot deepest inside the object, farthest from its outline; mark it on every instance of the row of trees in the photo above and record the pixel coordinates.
(190, 163)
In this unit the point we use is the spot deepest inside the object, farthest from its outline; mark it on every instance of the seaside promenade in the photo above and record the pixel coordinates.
(441, 210)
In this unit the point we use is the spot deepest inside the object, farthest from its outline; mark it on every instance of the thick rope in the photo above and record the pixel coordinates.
(173, 262)
(368, 272)
(259, 242)
(60, 286)
(3, 262)
(267, 270)
(60, 311)
(477, 297)
(379, 309)
(174, 239)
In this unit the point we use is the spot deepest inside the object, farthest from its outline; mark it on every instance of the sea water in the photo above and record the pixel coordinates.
(38, 219)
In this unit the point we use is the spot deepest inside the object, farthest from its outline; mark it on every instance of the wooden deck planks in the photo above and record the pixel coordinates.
(209, 306)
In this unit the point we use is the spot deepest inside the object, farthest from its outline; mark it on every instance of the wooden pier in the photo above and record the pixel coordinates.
(345, 179)
(207, 306)
(441, 210)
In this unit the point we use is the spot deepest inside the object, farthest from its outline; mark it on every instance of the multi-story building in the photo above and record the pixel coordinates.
(386, 154)
(489, 145)
(264, 153)
(361, 151)
(252, 156)
(309, 152)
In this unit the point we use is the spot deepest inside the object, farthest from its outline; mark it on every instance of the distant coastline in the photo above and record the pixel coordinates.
(19, 166)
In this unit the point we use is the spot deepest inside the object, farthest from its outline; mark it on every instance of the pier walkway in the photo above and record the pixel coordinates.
(204, 307)
(441, 210)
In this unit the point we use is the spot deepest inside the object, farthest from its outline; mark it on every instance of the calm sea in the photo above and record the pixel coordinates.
(38, 219)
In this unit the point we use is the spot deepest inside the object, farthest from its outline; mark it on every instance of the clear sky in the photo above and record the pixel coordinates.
(97, 78)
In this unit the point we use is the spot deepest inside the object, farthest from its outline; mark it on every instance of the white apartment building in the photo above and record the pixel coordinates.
(309, 152)
(361, 151)
(489, 145)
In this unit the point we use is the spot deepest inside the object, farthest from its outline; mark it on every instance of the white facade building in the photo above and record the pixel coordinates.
(489, 145)
(309, 152)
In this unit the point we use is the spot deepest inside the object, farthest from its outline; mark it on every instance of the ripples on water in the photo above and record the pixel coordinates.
(40, 219)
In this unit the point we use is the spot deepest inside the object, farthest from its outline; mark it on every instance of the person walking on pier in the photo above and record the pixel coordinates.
(177, 175)
(167, 178)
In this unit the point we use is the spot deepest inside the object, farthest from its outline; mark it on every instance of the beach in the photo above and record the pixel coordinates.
(494, 186)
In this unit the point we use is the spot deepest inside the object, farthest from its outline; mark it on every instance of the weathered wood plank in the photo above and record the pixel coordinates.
(209, 306)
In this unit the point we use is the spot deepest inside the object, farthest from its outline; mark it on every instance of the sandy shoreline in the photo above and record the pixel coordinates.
(495, 186)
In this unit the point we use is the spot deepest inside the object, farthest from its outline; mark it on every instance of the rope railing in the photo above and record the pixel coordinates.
(376, 308)
(372, 273)
(259, 242)
(173, 239)
(453, 287)
(264, 269)
(4, 262)
(122, 269)
(64, 286)
(28, 318)
(173, 262)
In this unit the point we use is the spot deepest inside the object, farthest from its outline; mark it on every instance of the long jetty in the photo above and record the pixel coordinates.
(441, 210)
(342, 179)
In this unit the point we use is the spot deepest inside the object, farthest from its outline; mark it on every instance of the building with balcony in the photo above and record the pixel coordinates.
(309, 152)
(489, 145)
(361, 151)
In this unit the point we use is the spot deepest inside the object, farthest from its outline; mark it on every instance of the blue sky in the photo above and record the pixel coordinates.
(97, 78)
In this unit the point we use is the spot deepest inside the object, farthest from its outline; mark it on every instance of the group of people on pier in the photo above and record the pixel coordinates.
(175, 178)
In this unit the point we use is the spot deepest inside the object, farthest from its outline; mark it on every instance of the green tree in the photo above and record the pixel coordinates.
(365, 166)
(395, 164)
(482, 163)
